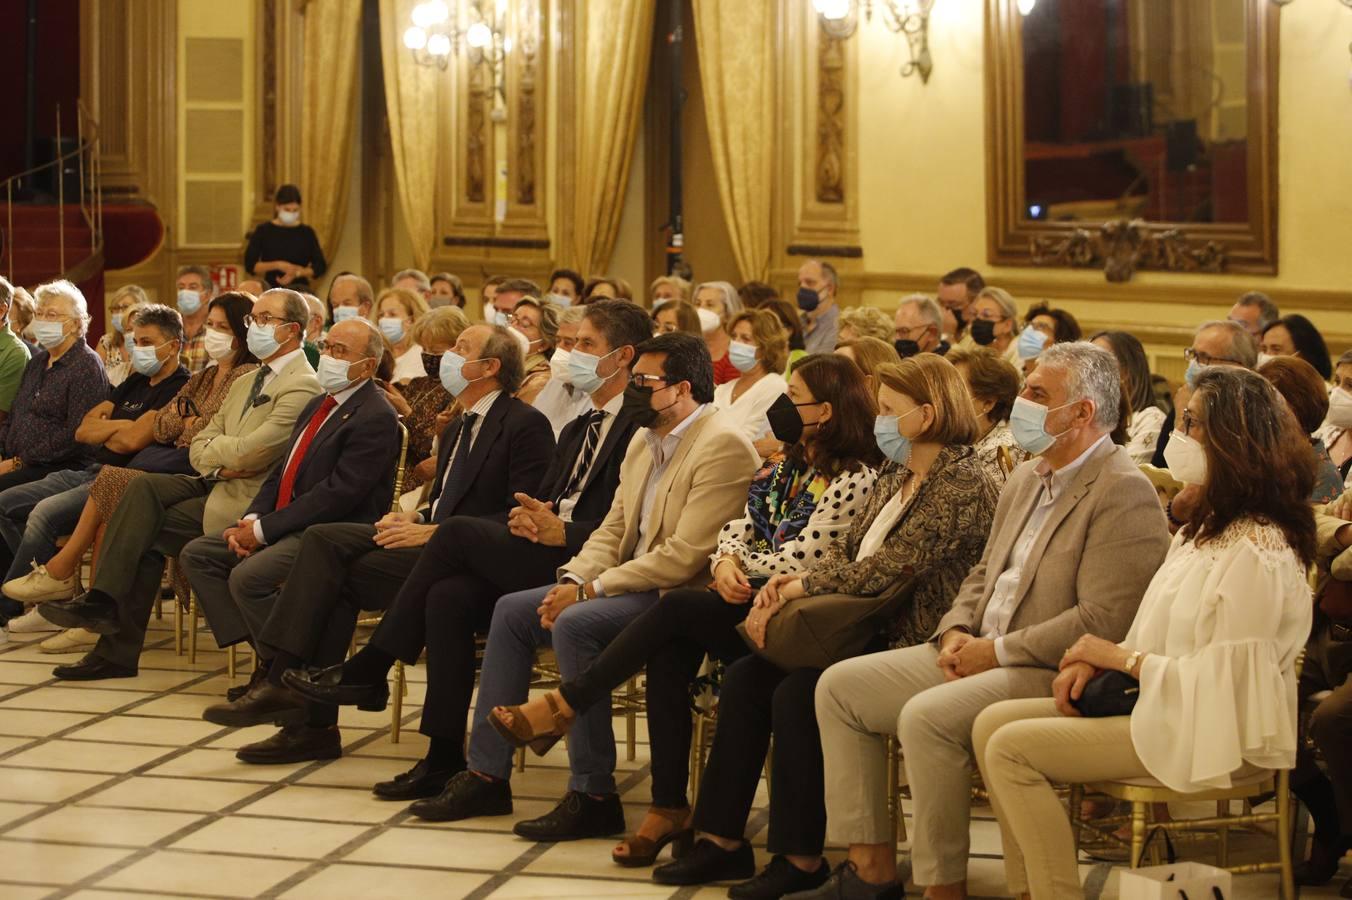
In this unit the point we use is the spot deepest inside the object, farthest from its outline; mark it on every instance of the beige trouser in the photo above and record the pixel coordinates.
(862, 701)
(1023, 748)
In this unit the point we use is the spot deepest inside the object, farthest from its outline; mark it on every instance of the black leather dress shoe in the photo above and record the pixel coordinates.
(708, 862)
(260, 673)
(93, 668)
(779, 878)
(467, 796)
(294, 743)
(264, 703)
(417, 783)
(325, 687)
(577, 816)
(96, 615)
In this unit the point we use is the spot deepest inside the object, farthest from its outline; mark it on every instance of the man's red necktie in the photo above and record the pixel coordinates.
(289, 476)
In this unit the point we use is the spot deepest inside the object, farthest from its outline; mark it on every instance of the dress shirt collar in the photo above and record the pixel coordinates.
(485, 403)
(281, 362)
(612, 407)
(346, 393)
(663, 447)
(1056, 481)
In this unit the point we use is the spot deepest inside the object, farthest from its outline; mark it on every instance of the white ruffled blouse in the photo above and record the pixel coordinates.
(1223, 624)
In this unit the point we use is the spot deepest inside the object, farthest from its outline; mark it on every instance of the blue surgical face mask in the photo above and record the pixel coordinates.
(49, 334)
(895, 445)
(452, 373)
(1031, 343)
(582, 371)
(393, 328)
(1028, 422)
(263, 341)
(189, 302)
(1194, 369)
(333, 374)
(742, 356)
(146, 360)
(343, 313)
(117, 322)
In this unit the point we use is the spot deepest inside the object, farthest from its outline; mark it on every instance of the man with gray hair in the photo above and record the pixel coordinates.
(14, 353)
(1077, 536)
(560, 400)
(1255, 311)
(919, 327)
(414, 280)
(818, 285)
(195, 290)
(1220, 342)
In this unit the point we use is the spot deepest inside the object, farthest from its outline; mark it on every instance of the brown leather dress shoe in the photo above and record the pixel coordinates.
(264, 703)
(294, 743)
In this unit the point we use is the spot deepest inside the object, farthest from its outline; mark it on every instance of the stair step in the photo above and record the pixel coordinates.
(40, 214)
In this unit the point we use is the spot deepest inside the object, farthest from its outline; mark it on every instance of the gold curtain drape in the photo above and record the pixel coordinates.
(411, 104)
(734, 40)
(332, 31)
(613, 45)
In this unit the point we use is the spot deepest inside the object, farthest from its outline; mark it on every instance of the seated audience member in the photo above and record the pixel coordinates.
(680, 480)
(345, 443)
(1146, 419)
(1328, 665)
(1255, 311)
(668, 287)
(870, 355)
(754, 294)
(994, 319)
(559, 399)
(496, 449)
(506, 294)
(793, 326)
(14, 353)
(447, 290)
(1217, 343)
(414, 281)
(676, 315)
(863, 321)
(538, 321)
(1336, 432)
(795, 508)
(395, 312)
(1043, 327)
(421, 401)
(470, 562)
(1213, 645)
(1306, 395)
(34, 515)
(566, 283)
(349, 296)
(956, 292)
(195, 291)
(22, 309)
(1296, 336)
(171, 432)
(921, 530)
(917, 327)
(605, 287)
(818, 287)
(253, 287)
(159, 513)
(993, 385)
(488, 294)
(717, 302)
(314, 329)
(114, 347)
(1077, 536)
(759, 349)
(283, 251)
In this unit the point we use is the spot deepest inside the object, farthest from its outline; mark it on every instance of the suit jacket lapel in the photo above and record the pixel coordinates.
(448, 440)
(1074, 492)
(478, 451)
(333, 423)
(669, 474)
(620, 427)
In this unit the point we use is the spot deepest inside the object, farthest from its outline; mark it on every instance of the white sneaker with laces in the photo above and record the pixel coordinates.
(31, 622)
(69, 641)
(39, 587)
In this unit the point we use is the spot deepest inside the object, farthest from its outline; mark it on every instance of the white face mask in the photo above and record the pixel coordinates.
(1340, 408)
(288, 216)
(708, 320)
(1263, 359)
(218, 345)
(1185, 458)
(558, 366)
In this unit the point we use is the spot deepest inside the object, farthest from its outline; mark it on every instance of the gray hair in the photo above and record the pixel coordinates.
(571, 315)
(831, 275)
(1344, 360)
(1243, 349)
(929, 309)
(442, 324)
(418, 275)
(155, 315)
(1267, 310)
(6, 291)
(365, 293)
(500, 345)
(294, 307)
(867, 321)
(316, 306)
(72, 295)
(1091, 374)
(732, 304)
(1006, 301)
(201, 272)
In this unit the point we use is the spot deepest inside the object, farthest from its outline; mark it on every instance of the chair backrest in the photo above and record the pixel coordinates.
(399, 466)
(1005, 458)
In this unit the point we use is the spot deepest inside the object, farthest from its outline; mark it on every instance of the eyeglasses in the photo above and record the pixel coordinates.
(1188, 420)
(647, 381)
(267, 320)
(903, 330)
(1206, 359)
(52, 315)
(991, 317)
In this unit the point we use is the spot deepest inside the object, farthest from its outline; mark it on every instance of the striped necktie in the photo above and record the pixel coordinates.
(589, 444)
(255, 389)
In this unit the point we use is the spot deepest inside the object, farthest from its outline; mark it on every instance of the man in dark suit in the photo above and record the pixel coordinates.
(497, 448)
(345, 442)
(450, 594)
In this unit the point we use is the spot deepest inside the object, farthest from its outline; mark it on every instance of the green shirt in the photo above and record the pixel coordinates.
(14, 357)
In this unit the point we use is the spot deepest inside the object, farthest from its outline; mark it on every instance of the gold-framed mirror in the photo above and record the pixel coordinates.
(1132, 134)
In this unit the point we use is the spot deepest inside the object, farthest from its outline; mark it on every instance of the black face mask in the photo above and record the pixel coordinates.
(785, 422)
(808, 299)
(906, 347)
(638, 406)
(983, 332)
(431, 365)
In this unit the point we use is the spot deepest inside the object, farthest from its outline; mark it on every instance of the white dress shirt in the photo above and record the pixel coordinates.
(1001, 608)
(561, 403)
(479, 410)
(569, 503)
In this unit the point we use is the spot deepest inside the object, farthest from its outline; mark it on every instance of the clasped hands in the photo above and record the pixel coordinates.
(397, 530)
(535, 521)
(241, 538)
(560, 597)
(962, 654)
(771, 598)
(1082, 662)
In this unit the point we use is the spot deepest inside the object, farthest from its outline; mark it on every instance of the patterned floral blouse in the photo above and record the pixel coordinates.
(205, 395)
(793, 512)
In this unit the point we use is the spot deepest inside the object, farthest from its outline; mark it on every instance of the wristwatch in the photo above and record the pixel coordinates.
(1130, 665)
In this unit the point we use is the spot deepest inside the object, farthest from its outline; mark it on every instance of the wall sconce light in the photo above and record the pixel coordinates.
(840, 19)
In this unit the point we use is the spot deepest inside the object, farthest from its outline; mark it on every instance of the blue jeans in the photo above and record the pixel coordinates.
(34, 515)
(580, 633)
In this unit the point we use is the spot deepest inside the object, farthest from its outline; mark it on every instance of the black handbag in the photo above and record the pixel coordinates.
(1108, 694)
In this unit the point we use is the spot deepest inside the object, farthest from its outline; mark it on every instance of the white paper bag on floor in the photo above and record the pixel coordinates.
(1193, 881)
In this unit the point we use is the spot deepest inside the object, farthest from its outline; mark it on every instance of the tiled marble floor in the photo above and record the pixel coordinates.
(119, 789)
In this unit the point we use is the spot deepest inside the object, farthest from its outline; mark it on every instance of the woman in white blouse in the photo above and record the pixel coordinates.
(760, 352)
(394, 314)
(795, 509)
(1213, 645)
(1147, 419)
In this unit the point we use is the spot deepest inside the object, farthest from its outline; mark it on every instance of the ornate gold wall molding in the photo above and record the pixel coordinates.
(280, 91)
(831, 102)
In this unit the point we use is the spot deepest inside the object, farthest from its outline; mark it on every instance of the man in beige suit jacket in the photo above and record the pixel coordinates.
(1077, 536)
(159, 514)
(684, 475)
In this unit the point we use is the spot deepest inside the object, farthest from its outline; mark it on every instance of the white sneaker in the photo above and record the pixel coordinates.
(39, 587)
(31, 622)
(69, 641)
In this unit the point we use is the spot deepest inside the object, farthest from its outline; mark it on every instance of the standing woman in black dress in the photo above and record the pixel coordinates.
(284, 252)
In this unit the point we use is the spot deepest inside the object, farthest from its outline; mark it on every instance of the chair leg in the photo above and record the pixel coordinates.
(397, 706)
(1284, 834)
(1075, 808)
(698, 748)
(769, 766)
(631, 719)
(192, 626)
(1222, 835)
(178, 628)
(1137, 833)
(230, 662)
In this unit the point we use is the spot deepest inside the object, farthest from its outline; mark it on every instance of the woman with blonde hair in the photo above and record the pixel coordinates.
(538, 322)
(760, 351)
(864, 321)
(395, 312)
(870, 355)
(113, 347)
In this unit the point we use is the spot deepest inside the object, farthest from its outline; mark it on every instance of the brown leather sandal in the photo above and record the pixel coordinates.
(520, 733)
(644, 851)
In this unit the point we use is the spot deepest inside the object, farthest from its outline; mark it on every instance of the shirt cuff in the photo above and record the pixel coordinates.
(1000, 656)
(598, 589)
(569, 576)
(258, 532)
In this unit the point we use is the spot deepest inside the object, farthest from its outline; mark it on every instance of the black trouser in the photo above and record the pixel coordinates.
(672, 639)
(448, 598)
(760, 699)
(1328, 667)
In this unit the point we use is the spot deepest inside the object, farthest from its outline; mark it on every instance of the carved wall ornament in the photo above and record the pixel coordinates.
(270, 89)
(830, 118)
(476, 136)
(525, 122)
(1122, 247)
